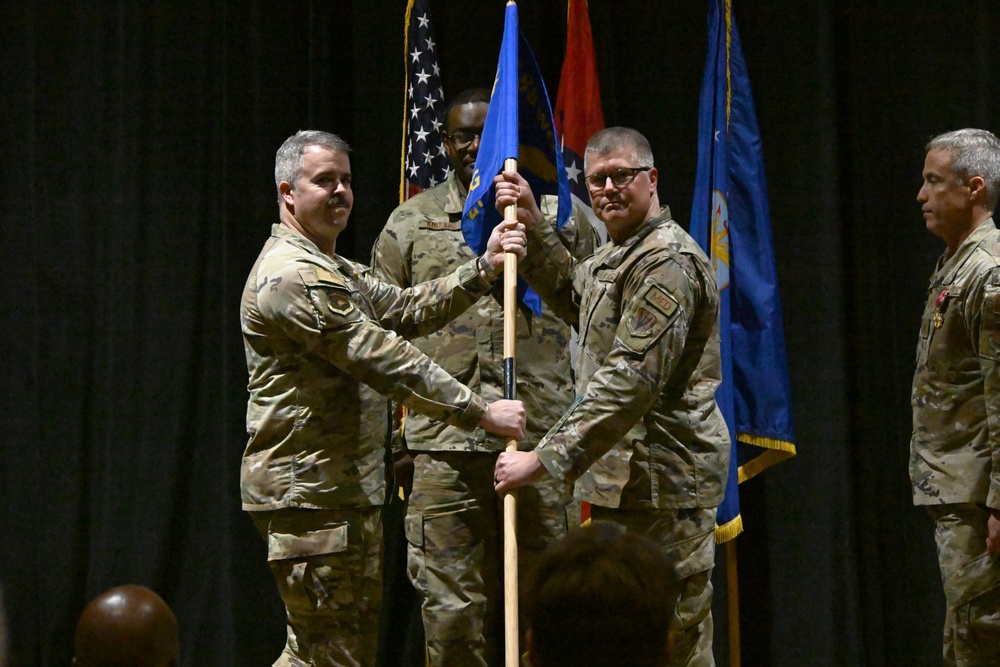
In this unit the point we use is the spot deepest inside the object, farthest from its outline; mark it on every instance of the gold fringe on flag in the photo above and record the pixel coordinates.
(775, 452)
(406, 84)
(728, 531)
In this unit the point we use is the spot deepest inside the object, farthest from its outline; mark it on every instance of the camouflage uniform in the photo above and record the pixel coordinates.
(645, 443)
(313, 475)
(454, 519)
(955, 447)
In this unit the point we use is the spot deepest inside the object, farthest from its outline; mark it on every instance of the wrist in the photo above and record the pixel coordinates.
(489, 275)
(536, 218)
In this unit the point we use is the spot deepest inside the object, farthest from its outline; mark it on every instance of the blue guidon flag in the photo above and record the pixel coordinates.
(518, 125)
(731, 221)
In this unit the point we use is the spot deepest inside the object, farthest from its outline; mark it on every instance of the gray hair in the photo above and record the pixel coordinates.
(619, 139)
(288, 160)
(974, 153)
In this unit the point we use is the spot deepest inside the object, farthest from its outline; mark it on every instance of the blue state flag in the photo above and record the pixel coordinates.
(518, 125)
(730, 219)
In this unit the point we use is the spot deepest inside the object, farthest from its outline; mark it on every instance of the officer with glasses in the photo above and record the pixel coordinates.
(644, 442)
(453, 518)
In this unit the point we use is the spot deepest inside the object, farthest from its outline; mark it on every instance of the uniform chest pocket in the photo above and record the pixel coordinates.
(437, 249)
(600, 307)
(649, 314)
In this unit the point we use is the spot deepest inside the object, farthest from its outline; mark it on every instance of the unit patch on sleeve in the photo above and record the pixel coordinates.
(648, 315)
(328, 293)
(641, 323)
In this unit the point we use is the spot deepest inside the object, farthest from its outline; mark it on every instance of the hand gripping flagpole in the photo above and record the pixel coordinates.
(511, 639)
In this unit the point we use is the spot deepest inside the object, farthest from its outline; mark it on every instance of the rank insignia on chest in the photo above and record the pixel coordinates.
(940, 304)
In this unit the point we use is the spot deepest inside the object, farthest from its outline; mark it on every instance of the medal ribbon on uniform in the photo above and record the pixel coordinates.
(938, 316)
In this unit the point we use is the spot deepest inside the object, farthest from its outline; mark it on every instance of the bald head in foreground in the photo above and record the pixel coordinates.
(127, 626)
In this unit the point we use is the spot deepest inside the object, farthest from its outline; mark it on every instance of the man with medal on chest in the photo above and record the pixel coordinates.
(955, 445)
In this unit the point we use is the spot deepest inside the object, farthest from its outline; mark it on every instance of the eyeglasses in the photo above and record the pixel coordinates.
(461, 138)
(620, 178)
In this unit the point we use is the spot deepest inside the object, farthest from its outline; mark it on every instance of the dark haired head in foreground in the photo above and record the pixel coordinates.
(127, 626)
(600, 598)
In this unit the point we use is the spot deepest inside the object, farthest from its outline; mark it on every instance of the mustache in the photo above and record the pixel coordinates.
(337, 200)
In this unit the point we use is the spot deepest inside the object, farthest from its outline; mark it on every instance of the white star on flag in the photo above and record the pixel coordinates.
(426, 116)
(572, 172)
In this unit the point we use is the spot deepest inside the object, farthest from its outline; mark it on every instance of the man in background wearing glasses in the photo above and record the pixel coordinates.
(453, 520)
(644, 442)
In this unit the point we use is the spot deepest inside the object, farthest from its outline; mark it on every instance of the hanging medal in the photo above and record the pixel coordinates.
(939, 305)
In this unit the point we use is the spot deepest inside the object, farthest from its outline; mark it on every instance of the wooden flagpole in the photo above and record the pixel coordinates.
(511, 638)
(733, 597)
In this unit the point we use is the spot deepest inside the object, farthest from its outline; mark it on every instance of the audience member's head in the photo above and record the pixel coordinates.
(600, 598)
(127, 626)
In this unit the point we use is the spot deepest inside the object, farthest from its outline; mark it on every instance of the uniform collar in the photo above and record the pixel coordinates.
(295, 238)
(613, 253)
(947, 267)
(291, 236)
(455, 196)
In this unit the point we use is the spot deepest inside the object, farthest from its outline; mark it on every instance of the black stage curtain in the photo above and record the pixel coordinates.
(138, 144)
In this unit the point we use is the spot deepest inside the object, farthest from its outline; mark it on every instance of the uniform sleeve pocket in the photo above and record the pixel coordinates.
(330, 297)
(648, 315)
(989, 333)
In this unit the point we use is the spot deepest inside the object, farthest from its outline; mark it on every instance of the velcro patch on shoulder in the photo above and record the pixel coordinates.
(661, 299)
(328, 291)
(648, 315)
(313, 276)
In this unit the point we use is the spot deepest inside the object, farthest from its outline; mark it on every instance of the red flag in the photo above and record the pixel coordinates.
(578, 112)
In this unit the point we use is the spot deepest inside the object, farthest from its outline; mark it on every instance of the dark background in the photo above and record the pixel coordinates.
(138, 148)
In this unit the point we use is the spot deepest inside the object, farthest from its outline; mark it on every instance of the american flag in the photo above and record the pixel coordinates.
(425, 162)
